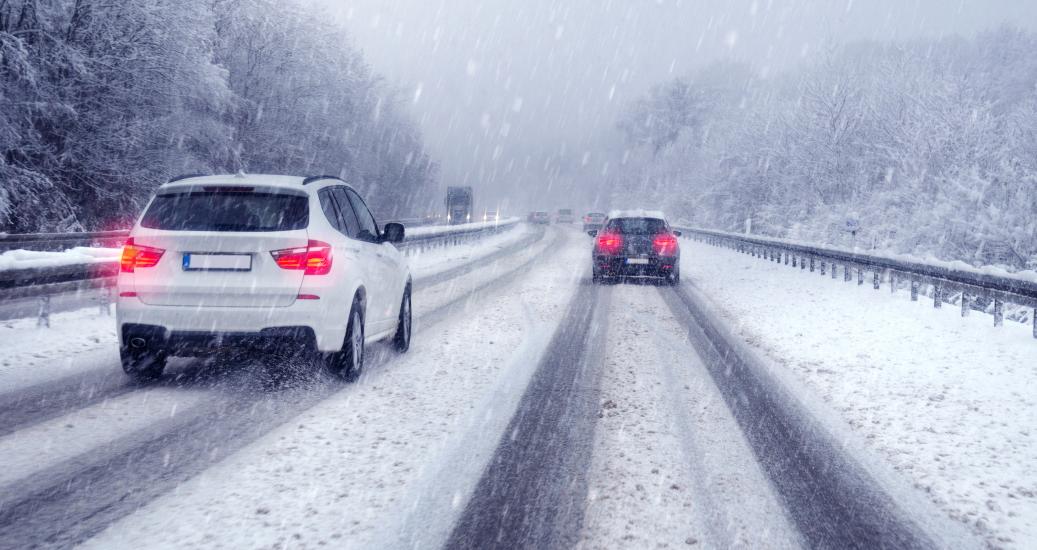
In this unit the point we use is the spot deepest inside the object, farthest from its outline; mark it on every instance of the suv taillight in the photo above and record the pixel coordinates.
(314, 258)
(610, 243)
(665, 244)
(138, 256)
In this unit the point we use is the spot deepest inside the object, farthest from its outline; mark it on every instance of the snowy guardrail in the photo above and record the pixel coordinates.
(955, 281)
(35, 273)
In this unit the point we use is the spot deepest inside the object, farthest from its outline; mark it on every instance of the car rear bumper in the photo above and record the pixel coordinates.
(192, 343)
(616, 266)
(198, 328)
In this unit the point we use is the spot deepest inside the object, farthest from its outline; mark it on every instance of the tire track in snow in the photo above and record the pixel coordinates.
(533, 491)
(831, 499)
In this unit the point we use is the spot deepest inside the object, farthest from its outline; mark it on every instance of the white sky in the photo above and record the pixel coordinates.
(512, 94)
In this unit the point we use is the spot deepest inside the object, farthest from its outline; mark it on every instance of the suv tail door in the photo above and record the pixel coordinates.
(216, 244)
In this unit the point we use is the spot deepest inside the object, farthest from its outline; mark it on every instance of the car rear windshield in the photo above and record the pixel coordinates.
(227, 210)
(596, 215)
(637, 226)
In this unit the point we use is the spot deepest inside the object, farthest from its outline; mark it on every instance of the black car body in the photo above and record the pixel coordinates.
(636, 244)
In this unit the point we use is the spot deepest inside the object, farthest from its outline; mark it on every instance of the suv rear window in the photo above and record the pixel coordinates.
(638, 226)
(565, 212)
(227, 210)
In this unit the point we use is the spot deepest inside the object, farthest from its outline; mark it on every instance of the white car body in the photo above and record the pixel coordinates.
(213, 304)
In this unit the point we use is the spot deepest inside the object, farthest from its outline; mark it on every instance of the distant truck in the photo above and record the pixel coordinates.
(565, 215)
(458, 205)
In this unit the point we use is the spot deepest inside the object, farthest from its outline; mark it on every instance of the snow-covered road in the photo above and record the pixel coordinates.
(534, 409)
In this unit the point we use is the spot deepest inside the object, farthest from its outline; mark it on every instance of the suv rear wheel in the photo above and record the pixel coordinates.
(143, 364)
(349, 363)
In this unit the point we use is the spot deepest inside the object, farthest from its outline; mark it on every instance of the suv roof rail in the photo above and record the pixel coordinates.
(311, 179)
(185, 176)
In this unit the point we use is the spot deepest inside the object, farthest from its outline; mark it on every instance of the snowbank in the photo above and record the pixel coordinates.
(427, 230)
(25, 259)
(955, 265)
(946, 400)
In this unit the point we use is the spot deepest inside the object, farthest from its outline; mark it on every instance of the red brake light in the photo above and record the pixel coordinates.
(665, 244)
(314, 258)
(610, 243)
(138, 256)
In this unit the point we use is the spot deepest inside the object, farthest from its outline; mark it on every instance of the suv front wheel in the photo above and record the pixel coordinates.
(401, 341)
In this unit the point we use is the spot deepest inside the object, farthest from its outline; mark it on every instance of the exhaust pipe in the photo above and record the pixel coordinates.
(138, 342)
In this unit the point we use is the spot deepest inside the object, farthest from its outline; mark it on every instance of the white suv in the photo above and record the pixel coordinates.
(268, 262)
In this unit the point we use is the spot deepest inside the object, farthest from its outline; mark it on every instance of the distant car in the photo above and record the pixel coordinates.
(565, 215)
(593, 221)
(540, 217)
(491, 216)
(274, 263)
(636, 243)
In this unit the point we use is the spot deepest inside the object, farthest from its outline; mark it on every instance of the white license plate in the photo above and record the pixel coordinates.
(637, 261)
(217, 262)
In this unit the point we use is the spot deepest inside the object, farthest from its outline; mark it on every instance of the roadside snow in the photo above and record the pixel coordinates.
(30, 355)
(386, 463)
(947, 401)
(1024, 275)
(431, 262)
(438, 229)
(671, 467)
(24, 259)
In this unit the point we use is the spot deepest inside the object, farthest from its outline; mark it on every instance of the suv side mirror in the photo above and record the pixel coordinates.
(677, 233)
(593, 232)
(393, 232)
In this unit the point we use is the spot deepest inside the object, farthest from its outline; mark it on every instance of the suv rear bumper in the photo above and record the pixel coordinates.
(191, 343)
(198, 328)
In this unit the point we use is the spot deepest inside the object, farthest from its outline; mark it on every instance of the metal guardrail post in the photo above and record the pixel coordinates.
(104, 301)
(914, 290)
(937, 296)
(877, 280)
(999, 311)
(965, 303)
(43, 320)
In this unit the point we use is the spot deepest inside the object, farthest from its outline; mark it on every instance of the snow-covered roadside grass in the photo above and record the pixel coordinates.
(946, 401)
(431, 262)
(388, 462)
(30, 355)
(671, 467)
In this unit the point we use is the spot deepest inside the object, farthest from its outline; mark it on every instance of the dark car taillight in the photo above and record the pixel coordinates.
(665, 244)
(610, 243)
(314, 258)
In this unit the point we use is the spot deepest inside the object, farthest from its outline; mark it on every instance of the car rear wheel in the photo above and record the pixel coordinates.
(348, 364)
(401, 341)
(144, 364)
(675, 276)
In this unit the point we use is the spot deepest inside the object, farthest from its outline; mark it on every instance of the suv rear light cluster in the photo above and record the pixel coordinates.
(665, 244)
(138, 256)
(314, 258)
(610, 243)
